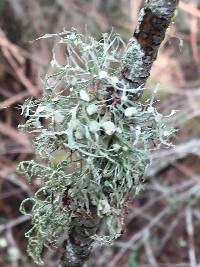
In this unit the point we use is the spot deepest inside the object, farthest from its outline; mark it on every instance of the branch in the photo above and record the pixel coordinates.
(142, 51)
(78, 245)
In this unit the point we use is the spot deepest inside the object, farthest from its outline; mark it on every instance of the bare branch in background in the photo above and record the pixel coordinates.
(16, 61)
(13, 99)
(15, 135)
(171, 155)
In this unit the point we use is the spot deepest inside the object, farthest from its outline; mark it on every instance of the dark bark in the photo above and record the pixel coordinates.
(141, 52)
(77, 246)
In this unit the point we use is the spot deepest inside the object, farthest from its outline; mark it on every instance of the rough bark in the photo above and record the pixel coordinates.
(77, 246)
(142, 50)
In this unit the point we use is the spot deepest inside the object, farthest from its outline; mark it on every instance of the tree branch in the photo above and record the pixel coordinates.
(142, 50)
(78, 245)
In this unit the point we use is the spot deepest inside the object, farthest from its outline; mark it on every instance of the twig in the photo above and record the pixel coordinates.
(16, 60)
(14, 134)
(20, 74)
(8, 173)
(149, 251)
(142, 51)
(14, 222)
(13, 99)
(190, 230)
(171, 155)
(194, 39)
(189, 8)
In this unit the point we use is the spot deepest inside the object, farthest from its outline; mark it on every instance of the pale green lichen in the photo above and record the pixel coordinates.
(93, 147)
(133, 60)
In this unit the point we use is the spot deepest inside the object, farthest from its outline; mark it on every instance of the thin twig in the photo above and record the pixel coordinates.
(14, 222)
(14, 134)
(190, 230)
(13, 99)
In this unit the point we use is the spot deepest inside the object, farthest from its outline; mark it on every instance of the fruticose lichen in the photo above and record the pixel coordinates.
(93, 142)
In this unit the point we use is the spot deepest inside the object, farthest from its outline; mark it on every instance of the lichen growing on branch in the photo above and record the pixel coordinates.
(93, 142)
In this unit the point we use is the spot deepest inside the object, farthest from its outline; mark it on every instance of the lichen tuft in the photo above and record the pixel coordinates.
(93, 142)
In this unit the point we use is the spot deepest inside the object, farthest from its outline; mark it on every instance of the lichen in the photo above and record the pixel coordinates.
(133, 60)
(93, 143)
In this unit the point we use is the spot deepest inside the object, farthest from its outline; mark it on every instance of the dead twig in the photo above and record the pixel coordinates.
(15, 135)
(190, 230)
(190, 9)
(14, 222)
(16, 60)
(13, 99)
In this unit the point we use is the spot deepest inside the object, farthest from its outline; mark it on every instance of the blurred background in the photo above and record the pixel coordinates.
(163, 223)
